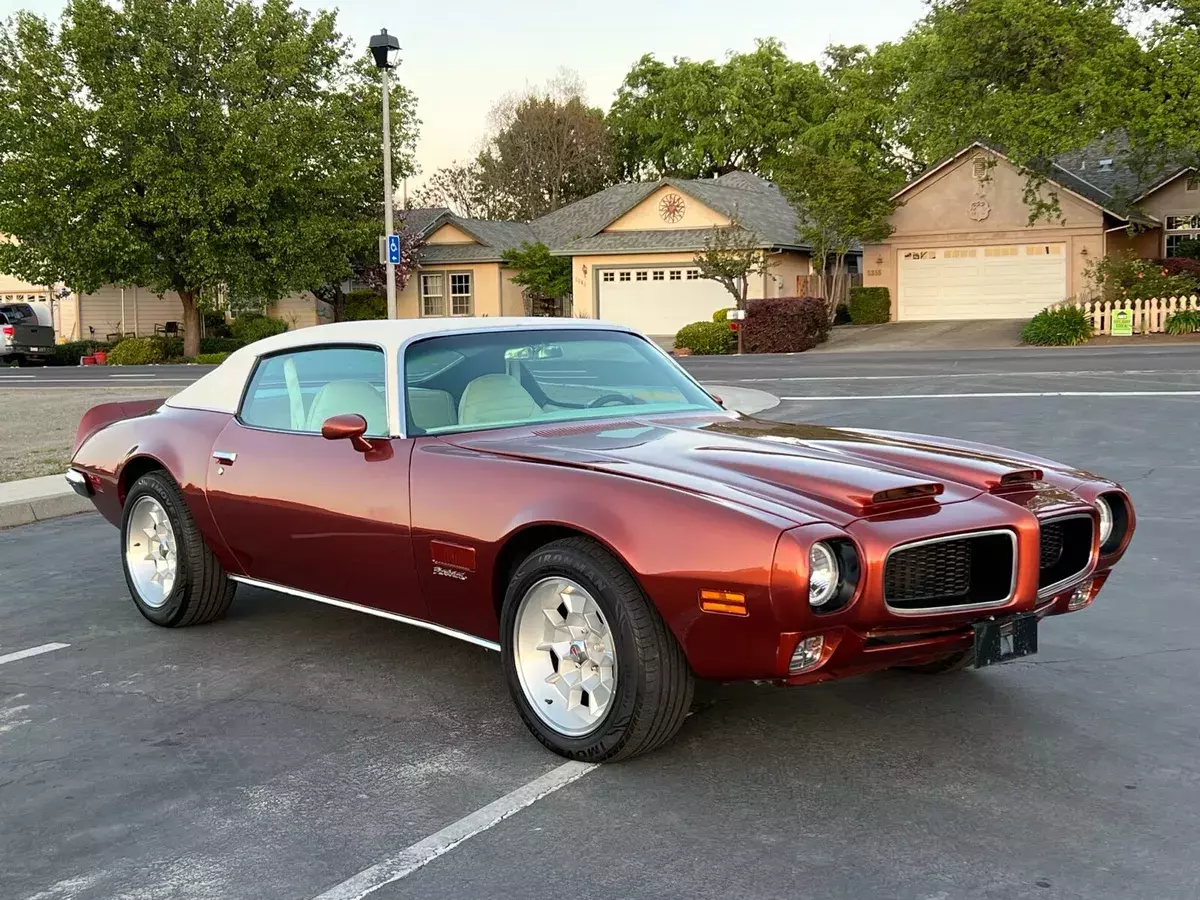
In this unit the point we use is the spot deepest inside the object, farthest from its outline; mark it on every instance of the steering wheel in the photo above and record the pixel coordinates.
(608, 399)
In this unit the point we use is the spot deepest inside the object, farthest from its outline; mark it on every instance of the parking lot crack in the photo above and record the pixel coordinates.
(1103, 659)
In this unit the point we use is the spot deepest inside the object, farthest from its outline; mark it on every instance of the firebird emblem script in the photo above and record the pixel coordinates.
(449, 573)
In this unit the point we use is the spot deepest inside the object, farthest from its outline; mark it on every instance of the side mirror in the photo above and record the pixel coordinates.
(348, 426)
(719, 401)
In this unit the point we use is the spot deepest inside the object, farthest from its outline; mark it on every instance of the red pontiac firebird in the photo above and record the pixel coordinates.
(563, 492)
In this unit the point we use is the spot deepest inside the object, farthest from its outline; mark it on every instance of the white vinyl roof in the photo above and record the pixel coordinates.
(221, 389)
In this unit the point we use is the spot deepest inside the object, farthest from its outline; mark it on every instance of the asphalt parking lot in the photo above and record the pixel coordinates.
(282, 751)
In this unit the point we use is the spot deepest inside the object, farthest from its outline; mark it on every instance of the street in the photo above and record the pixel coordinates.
(289, 747)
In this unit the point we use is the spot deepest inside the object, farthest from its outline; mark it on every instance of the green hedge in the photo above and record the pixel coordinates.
(363, 305)
(251, 327)
(870, 305)
(706, 338)
(68, 354)
(136, 352)
(1061, 327)
(720, 316)
(220, 344)
(784, 325)
(210, 359)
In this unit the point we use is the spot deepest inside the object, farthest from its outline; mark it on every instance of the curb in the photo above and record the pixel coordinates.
(53, 506)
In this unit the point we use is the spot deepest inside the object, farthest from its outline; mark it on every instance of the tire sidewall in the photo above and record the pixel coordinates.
(606, 738)
(157, 486)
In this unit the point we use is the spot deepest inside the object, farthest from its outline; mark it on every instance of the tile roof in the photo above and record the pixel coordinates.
(757, 205)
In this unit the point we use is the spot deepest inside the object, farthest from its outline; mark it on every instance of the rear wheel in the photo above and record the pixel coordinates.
(173, 577)
(955, 662)
(594, 671)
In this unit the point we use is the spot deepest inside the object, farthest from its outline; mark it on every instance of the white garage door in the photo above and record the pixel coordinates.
(659, 301)
(1005, 282)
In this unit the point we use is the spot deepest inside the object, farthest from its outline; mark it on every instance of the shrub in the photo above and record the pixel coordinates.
(220, 344)
(706, 338)
(1183, 322)
(1180, 265)
(870, 305)
(215, 325)
(841, 315)
(1065, 326)
(1125, 277)
(720, 316)
(784, 325)
(210, 359)
(68, 354)
(362, 305)
(171, 347)
(253, 326)
(136, 352)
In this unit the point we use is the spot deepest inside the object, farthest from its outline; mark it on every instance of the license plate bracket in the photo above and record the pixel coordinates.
(1002, 640)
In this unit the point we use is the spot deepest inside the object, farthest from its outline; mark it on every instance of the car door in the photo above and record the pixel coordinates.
(302, 512)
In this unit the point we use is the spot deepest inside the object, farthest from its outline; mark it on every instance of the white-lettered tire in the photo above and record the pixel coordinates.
(173, 577)
(594, 671)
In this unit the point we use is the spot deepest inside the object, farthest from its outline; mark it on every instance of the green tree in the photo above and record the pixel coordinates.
(839, 205)
(542, 275)
(700, 119)
(731, 257)
(188, 147)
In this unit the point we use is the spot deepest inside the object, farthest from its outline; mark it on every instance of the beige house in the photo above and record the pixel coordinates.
(963, 247)
(632, 249)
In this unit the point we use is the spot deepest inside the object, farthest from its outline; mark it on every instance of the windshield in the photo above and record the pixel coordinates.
(468, 382)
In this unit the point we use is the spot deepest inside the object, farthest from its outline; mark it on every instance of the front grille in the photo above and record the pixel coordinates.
(960, 571)
(1066, 550)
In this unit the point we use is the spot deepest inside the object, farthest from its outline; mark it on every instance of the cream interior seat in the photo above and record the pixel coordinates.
(431, 409)
(496, 398)
(340, 397)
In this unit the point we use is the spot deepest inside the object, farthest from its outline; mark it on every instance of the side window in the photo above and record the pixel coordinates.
(298, 391)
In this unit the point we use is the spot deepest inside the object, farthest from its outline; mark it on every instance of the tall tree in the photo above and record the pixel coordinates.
(188, 147)
(839, 205)
(700, 119)
(459, 188)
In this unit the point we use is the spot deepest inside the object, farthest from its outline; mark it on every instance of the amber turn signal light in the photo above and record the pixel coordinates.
(723, 602)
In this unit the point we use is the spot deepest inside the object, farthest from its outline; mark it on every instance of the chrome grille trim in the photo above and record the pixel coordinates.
(967, 535)
(1060, 585)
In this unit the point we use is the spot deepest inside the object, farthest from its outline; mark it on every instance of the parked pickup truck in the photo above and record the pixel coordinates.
(21, 337)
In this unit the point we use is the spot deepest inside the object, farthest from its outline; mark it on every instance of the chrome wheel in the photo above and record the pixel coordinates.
(565, 656)
(150, 552)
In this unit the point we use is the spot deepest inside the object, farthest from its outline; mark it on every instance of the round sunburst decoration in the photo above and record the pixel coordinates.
(671, 208)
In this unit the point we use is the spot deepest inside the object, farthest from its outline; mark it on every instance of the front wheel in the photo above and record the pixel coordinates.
(594, 671)
(172, 574)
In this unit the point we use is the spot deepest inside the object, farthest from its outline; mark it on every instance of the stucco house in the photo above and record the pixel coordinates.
(963, 247)
(632, 249)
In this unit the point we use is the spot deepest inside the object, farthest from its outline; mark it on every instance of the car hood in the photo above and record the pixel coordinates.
(803, 473)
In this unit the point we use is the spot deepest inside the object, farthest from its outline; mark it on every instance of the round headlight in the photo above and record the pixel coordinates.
(1106, 520)
(823, 574)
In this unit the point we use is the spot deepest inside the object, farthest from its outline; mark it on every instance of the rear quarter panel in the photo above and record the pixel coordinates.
(177, 440)
(675, 543)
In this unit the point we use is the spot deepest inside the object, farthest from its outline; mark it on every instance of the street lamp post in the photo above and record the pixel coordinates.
(385, 48)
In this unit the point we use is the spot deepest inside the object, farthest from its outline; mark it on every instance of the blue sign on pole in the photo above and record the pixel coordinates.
(394, 249)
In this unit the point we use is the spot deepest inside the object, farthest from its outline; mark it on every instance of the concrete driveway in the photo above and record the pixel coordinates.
(978, 334)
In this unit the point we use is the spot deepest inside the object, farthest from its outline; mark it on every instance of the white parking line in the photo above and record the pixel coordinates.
(1011, 394)
(1075, 374)
(32, 651)
(133, 376)
(14, 377)
(424, 852)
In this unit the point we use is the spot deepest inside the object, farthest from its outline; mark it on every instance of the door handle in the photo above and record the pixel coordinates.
(224, 457)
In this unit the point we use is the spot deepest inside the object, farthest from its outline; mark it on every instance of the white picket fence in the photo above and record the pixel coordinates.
(1149, 316)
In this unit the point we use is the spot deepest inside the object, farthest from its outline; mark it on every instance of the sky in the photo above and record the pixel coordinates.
(460, 56)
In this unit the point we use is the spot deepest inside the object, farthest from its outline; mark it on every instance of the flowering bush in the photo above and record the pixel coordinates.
(1125, 277)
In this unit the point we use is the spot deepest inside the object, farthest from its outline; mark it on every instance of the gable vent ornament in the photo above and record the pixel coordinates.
(671, 208)
(980, 209)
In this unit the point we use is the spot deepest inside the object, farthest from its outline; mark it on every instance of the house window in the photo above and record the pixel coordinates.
(1000, 251)
(658, 274)
(1044, 250)
(676, 274)
(1181, 229)
(433, 294)
(960, 254)
(626, 276)
(461, 299)
(643, 275)
(608, 276)
(693, 274)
